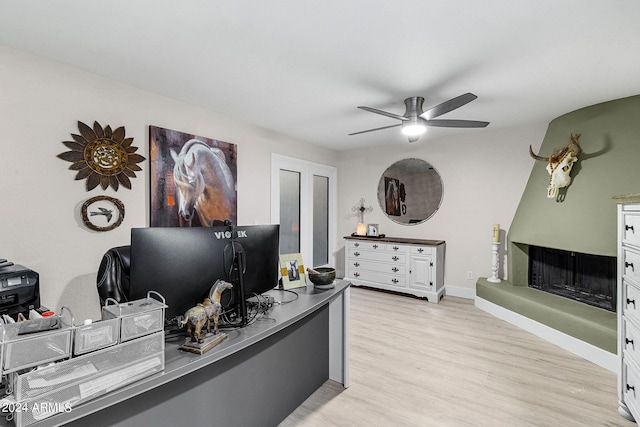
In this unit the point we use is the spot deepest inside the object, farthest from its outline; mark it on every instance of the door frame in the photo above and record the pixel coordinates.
(307, 170)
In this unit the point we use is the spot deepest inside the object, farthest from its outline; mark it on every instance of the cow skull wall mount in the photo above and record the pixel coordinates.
(559, 164)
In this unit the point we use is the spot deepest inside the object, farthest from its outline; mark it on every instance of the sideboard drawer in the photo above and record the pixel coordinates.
(396, 248)
(386, 279)
(378, 256)
(422, 250)
(631, 340)
(394, 268)
(630, 301)
(631, 229)
(630, 265)
(631, 384)
(365, 245)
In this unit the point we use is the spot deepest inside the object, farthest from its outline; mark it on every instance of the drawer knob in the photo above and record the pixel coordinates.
(356, 274)
(356, 264)
(628, 341)
(630, 387)
(356, 253)
(629, 227)
(375, 246)
(395, 258)
(356, 244)
(631, 301)
(395, 248)
(394, 280)
(628, 264)
(395, 269)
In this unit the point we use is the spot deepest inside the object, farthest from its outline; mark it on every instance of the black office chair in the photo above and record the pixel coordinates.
(113, 275)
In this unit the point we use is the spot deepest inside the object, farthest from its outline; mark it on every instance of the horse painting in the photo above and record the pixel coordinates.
(204, 185)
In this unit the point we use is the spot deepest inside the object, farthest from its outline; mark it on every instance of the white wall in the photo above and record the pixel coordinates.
(484, 174)
(40, 225)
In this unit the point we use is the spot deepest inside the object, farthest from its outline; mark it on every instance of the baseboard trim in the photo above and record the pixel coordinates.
(580, 348)
(456, 291)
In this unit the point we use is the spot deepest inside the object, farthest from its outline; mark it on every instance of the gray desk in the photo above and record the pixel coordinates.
(256, 377)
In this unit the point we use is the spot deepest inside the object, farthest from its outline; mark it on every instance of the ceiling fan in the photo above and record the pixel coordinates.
(415, 121)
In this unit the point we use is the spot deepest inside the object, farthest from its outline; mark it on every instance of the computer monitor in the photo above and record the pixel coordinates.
(183, 263)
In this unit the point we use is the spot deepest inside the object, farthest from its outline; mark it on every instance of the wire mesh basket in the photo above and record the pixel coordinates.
(138, 318)
(23, 349)
(60, 387)
(95, 336)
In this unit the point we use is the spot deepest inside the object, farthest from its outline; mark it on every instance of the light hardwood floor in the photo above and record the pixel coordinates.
(415, 363)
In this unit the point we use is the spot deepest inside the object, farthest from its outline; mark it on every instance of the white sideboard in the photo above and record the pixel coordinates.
(412, 266)
(629, 306)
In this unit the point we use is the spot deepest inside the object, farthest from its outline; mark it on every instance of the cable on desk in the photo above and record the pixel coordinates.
(290, 291)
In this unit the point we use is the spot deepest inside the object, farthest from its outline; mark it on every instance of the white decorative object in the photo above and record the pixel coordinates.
(496, 232)
(494, 262)
(361, 228)
(412, 266)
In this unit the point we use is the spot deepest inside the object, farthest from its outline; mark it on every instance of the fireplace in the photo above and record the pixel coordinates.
(587, 278)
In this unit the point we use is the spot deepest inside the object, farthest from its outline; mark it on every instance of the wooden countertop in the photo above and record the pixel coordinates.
(386, 239)
(627, 198)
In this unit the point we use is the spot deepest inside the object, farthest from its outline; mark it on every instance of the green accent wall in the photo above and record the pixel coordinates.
(583, 216)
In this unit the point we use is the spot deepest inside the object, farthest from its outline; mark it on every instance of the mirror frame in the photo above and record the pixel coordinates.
(400, 178)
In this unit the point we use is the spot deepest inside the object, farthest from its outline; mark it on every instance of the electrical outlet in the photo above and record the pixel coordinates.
(470, 275)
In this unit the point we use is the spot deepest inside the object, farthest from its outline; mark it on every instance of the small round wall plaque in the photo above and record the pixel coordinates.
(102, 213)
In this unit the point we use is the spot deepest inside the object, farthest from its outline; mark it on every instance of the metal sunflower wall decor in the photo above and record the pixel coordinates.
(102, 156)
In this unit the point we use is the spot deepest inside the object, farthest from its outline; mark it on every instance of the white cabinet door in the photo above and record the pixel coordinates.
(420, 272)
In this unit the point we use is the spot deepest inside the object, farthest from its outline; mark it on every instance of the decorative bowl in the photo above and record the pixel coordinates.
(322, 276)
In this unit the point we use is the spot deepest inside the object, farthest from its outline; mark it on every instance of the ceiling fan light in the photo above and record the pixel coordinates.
(413, 128)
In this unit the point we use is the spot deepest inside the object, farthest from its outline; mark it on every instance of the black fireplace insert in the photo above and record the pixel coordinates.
(588, 278)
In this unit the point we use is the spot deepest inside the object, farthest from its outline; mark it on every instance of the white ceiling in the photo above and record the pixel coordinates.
(301, 67)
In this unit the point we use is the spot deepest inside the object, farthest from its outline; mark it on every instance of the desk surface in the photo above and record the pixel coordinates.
(179, 363)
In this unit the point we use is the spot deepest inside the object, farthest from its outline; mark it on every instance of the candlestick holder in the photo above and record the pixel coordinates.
(494, 263)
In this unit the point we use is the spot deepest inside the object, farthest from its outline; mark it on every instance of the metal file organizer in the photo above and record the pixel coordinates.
(106, 356)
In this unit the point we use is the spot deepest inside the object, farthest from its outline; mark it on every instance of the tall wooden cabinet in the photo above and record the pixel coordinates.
(629, 305)
(412, 266)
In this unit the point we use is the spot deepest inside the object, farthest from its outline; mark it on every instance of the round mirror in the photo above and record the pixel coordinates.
(410, 191)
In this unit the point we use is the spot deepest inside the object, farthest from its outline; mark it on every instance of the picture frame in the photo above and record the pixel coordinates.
(372, 230)
(292, 271)
(172, 198)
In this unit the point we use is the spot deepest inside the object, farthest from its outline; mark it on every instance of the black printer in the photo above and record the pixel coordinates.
(19, 288)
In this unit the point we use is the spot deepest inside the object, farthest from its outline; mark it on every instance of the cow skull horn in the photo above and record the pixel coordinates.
(535, 156)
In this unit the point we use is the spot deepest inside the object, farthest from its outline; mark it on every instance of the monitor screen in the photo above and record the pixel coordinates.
(183, 263)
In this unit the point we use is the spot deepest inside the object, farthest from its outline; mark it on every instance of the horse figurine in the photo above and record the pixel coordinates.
(215, 293)
(204, 183)
(196, 317)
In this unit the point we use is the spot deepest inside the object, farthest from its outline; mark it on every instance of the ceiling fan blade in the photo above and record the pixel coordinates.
(384, 113)
(371, 130)
(457, 123)
(447, 106)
